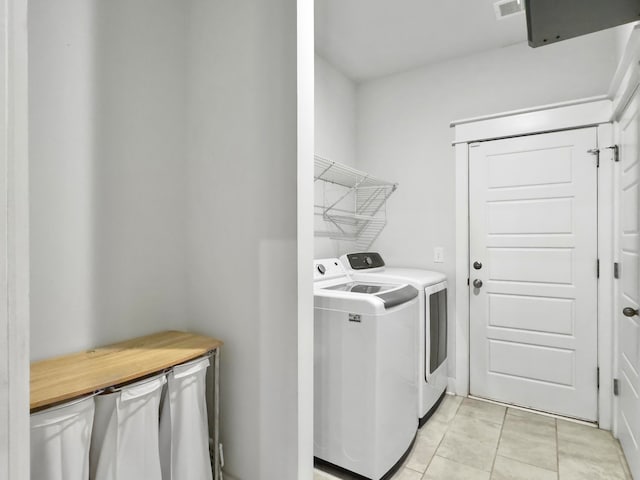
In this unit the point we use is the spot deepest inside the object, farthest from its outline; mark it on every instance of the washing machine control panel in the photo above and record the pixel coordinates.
(327, 268)
(363, 261)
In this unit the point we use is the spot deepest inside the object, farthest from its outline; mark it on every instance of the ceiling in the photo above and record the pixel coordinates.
(371, 38)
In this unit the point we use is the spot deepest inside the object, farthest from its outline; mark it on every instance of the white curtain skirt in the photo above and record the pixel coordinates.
(184, 431)
(60, 438)
(125, 442)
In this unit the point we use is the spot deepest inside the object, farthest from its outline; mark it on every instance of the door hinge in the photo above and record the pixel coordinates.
(616, 152)
(598, 377)
(616, 270)
(616, 387)
(596, 152)
(598, 268)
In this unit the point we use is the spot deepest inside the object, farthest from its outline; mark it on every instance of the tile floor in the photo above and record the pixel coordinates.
(468, 439)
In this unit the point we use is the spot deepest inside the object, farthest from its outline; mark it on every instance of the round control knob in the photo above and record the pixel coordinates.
(368, 260)
(477, 265)
(477, 283)
(321, 269)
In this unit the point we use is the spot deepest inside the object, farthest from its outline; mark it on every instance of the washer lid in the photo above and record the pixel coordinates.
(361, 287)
(391, 295)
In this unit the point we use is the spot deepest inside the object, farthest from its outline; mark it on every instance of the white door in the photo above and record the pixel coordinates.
(628, 286)
(533, 232)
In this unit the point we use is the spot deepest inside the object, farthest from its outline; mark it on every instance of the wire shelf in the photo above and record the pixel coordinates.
(365, 219)
(345, 176)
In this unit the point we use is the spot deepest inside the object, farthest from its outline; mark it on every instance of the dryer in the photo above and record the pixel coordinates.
(432, 322)
(365, 411)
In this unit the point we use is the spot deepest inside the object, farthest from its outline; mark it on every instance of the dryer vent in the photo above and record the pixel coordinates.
(508, 8)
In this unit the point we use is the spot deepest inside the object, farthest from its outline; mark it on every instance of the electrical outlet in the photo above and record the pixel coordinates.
(438, 255)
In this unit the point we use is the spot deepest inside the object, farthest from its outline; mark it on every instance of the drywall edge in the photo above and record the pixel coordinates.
(305, 54)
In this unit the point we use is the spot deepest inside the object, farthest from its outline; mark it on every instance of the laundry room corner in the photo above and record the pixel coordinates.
(515, 144)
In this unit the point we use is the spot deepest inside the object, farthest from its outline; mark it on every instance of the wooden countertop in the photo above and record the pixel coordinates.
(71, 376)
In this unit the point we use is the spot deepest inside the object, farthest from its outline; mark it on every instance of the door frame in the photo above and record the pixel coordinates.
(14, 233)
(591, 112)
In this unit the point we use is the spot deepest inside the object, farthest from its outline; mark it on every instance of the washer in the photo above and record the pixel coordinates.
(432, 329)
(364, 371)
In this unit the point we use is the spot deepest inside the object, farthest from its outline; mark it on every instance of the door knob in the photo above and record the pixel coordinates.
(477, 265)
(477, 283)
(629, 312)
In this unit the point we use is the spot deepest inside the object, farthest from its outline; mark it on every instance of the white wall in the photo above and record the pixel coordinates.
(242, 223)
(335, 113)
(107, 173)
(403, 132)
(622, 34)
(335, 139)
(164, 158)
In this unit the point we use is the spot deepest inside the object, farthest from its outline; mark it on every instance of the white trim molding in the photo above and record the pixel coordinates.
(578, 114)
(462, 270)
(14, 256)
(561, 116)
(606, 255)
